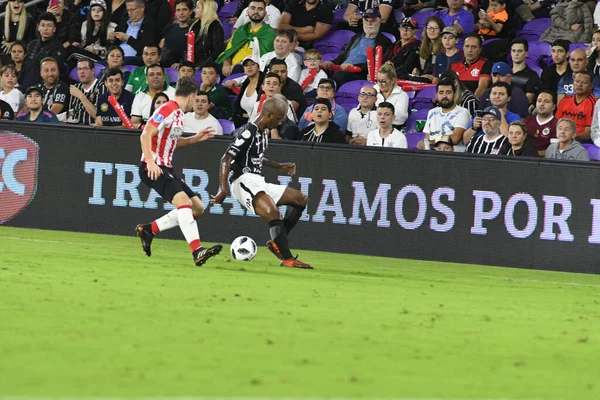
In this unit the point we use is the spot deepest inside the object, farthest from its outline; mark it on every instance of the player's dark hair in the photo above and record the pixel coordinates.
(108, 72)
(203, 93)
(47, 16)
(387, 104)
(185, 87)
(445, 82)
(502, 84)
(520, 41)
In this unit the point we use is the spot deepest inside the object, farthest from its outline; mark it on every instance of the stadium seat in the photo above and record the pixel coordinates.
(593, 151)
(130, 67)
(228, 10)
(411, 122)
(411, 94)
(426, 93)
(334, 42)
(534, 66)
(533, 30)
(348, 106)
(228, 29)
(575, 46)
(414, 138)
(232, 76)
(198, 78)
(390, 36)
(73, 75)
(421, 18)
(420, 103)
(398, 14)
(538, 50)
(338, 17)
(329, 56)
(228, 126)
(99, 69)
(350, 90)
(173, 75)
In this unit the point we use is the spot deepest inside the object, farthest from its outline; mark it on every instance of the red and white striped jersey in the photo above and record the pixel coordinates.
(168, 119)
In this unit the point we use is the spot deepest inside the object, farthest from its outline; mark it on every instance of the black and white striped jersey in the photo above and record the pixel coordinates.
(247, 149)
(481, 145)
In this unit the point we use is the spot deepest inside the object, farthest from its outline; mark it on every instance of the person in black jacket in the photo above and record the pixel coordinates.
(519, 143)
(405, 53)
(210, 36)
(142, 32)
(354, 53)
(47, 45)
(323, 130)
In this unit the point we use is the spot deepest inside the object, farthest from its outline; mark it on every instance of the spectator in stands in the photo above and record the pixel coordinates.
(449, 55)
(552, 74)
(572, 21)
(387, 135)
(355, 54)
(84, 95)
(363, 118)
(447, 119)
(443, 143)
(474, 71)
(158, 100)
(355, 10)
(46, 46)
(137, 80)
(323, 130)
(135, 33)
(388, 91)
(462, 96)
(140, 110)
(542, 126)
(518, 103)
(17, 57)
(272, 17)
(283, 50)
(200, 118)
(580, 106)
(431, 46)
(55, 93)
(578, 63)
(36, 112)
(174, 37)
(491, 22)
(456, 16)
(116, 10)
(312, 74)
(523, 76)
(159, 11)
(567, 147)
(326, 90)
(67, 28)
(114, 59)
(500, 94)
(405, 52)
(593, 53)
(271, 86)
(290, 89)
(250, 91)
(489, 139)
(219, 106)
(10, 94)
(105, 113)
(311, 19)
(17, 25)
(243, 4)
(6, 111)
(210, 36)
(519, 144)
(186, 69)
(92, 40)
(239, 48)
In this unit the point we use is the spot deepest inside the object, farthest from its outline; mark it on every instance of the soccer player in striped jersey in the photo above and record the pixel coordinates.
(160, 137)
(245, 157)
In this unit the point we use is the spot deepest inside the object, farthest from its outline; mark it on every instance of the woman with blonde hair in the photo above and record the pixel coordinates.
(210, 36)
(388, 90)
(17, 25)
(431, 45)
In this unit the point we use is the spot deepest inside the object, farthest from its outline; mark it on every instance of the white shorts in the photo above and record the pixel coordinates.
(249, 185)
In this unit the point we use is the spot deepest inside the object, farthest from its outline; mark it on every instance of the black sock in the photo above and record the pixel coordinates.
(292, 216)
(279, 236)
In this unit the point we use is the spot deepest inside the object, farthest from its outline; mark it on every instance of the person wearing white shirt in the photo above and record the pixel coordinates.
(140, 109)
(271, 86)
(389, 91)
(283, 49)
(272, 17)
(386, 135)
(14, 97)
(447, 119)
(363, 118)
(200, 118)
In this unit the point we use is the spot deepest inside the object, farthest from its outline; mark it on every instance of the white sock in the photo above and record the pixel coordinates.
(188, 227)
(167, 221)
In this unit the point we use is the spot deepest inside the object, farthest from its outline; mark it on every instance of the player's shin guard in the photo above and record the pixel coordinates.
(167, 221)
(188, 227)
(277, 231)
(292, 216)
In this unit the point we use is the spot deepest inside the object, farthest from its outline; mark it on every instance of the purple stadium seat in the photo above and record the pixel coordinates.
(73, 75)
(534, 67)
(98, 68)
(421, 103)
(228, 29)
(593, 151)
(329, 56)
(334, 42)
(228, 126)
(350, 90)
(426, 93)
(390, 36)
(130, 67)
(348, 106)
(338, 17)
(228, 10)
(232, 76)
(399, 15)
(537, 50)
(173, 75)
(414, 138)
(198, 77)
(532, 30)
(411, 122)
(421, 18)
(575, 46)
(411, 94)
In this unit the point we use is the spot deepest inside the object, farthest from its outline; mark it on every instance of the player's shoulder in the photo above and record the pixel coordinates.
(245, 131)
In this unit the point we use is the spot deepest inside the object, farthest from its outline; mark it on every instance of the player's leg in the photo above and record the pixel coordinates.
(296, 202)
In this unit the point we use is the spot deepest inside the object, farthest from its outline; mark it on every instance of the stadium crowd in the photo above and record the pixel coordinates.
(511, 77)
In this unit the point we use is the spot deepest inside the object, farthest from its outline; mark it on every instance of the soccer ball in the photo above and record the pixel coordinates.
(243, 248)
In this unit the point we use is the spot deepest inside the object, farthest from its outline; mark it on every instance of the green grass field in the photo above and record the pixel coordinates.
(91, 315)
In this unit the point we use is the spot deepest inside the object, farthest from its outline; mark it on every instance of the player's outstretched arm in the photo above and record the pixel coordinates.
(204, 134)
(289, 167)
(148, 133)
(223, 183)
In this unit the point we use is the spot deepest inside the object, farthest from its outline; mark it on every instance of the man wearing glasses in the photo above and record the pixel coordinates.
(363, 118)
(354, 11)
(355, 52)
(135, 33)
(492, 139)
(326, 90)
(84, 95)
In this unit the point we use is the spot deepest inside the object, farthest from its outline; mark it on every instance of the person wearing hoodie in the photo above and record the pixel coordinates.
(567, 147)
(519, 144)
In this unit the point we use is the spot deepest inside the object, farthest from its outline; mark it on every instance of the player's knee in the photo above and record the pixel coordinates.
(303, 200)
(198, 209)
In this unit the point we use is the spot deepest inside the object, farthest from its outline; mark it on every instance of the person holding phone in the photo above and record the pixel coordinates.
(490, 23)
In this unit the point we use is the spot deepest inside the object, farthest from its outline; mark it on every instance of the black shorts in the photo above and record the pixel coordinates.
(167, 184)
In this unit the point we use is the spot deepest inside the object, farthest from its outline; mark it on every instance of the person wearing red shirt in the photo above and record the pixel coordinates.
(580, 106)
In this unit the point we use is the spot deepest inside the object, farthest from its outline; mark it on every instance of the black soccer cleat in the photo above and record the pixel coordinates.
(146, 237)
(203, 254)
